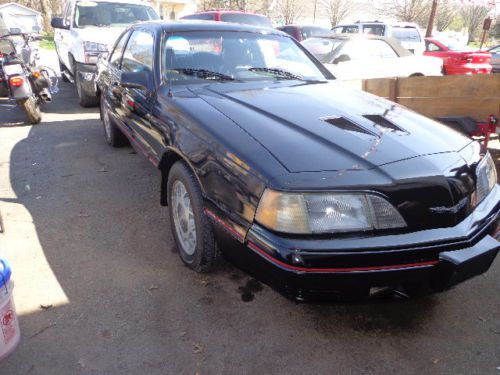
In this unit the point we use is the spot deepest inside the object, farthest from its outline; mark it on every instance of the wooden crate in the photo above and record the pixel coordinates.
(458, 95)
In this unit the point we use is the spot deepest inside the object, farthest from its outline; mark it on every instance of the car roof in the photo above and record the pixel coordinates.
(199, 25)
(135, 2)
(227, 11)
(394, 43)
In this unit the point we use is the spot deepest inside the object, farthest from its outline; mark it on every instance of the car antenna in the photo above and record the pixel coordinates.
(170, 94)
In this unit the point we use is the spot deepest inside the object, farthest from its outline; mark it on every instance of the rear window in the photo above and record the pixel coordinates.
(200, 16)
(247, 19)
(310, 31)
(406, 34)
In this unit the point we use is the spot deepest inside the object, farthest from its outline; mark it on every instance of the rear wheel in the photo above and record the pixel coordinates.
(32, 110)
(191, 228)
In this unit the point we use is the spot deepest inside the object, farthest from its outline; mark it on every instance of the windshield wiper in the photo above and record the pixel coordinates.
(204, 73)
(282, 73)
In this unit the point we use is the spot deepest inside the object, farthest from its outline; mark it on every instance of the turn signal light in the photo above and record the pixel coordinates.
(36, 74)
(16, 81)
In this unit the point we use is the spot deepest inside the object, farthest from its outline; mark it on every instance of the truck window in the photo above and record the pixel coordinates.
(406, 34)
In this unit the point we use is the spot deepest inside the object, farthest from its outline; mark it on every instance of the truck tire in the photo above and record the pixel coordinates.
(32, 110)
(85, 100)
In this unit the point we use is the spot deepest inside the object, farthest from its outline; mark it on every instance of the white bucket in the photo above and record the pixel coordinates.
(10, 334)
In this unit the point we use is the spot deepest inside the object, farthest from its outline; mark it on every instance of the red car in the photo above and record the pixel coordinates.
(231, 16)
(457, 58)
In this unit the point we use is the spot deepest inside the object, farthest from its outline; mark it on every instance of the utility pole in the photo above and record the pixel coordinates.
(314, 14)
(430, 25)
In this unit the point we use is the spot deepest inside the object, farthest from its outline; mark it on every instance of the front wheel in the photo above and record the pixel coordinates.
(113, 134)
(32, 110)
(85, 100)
(191, 228)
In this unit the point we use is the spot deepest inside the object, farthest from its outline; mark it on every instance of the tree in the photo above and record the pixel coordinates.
(447, 11)
(289, 10)
(407, 10)
(336, 10)
(473, 16)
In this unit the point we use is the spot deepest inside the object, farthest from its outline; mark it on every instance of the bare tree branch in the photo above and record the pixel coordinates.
(473, 16)
(289, 11)
(337, 10)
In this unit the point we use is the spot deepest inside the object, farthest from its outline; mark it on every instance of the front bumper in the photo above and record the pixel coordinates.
(87, 74)
(318, 268)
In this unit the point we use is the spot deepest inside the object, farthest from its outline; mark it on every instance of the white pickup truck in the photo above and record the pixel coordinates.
(88, 29)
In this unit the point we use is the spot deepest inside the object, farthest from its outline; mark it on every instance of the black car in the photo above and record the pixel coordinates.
(312, 187)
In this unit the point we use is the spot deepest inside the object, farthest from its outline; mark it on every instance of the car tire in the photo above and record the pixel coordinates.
(190, 226)
(85, 100)
(113, 135)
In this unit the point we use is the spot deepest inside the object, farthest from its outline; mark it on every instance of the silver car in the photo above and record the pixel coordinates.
(495, 58)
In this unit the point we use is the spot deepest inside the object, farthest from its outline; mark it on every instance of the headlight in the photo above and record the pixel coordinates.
(94, 47)
(486, 177)
(306, 213)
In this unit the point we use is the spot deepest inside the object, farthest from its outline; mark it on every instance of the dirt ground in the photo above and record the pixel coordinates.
(100, 289)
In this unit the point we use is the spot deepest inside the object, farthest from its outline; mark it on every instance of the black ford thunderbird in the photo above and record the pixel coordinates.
(313, 188)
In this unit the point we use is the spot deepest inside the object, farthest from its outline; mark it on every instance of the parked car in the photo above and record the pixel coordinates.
(495, 58)
(88, 29)
(408, 34)
(312, 187)
(362, 57)
(458, 58)
(231, 16)
(300, 32)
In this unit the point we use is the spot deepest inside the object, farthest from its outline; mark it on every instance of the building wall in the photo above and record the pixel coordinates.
(16, 16)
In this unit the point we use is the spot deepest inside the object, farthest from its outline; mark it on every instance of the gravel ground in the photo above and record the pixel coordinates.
(101, 290)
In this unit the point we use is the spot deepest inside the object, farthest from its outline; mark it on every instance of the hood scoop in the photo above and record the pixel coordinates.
(347, 125)
(385, 125)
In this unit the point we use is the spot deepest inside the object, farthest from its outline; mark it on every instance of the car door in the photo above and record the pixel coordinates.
(136, 104)
(62, 36)
(109, 78)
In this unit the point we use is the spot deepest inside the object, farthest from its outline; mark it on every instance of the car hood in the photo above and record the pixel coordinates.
(328, 126)
(107, 35)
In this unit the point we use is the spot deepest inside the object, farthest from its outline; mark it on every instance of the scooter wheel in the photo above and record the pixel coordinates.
(32, 110)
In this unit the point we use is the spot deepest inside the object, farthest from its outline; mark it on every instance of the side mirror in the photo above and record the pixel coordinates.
(15, 31)
(342, 58)
(136, 80)
(58, 23)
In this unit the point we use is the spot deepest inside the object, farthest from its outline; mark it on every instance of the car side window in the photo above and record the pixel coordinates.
(431, 47)
(350, 29)
(138, 55)
(116, 56)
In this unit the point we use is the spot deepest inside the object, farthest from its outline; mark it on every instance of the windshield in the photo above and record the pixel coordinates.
(99, 14)
(322, 48)
(241, 56)
(247, 19)
(406, 34)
